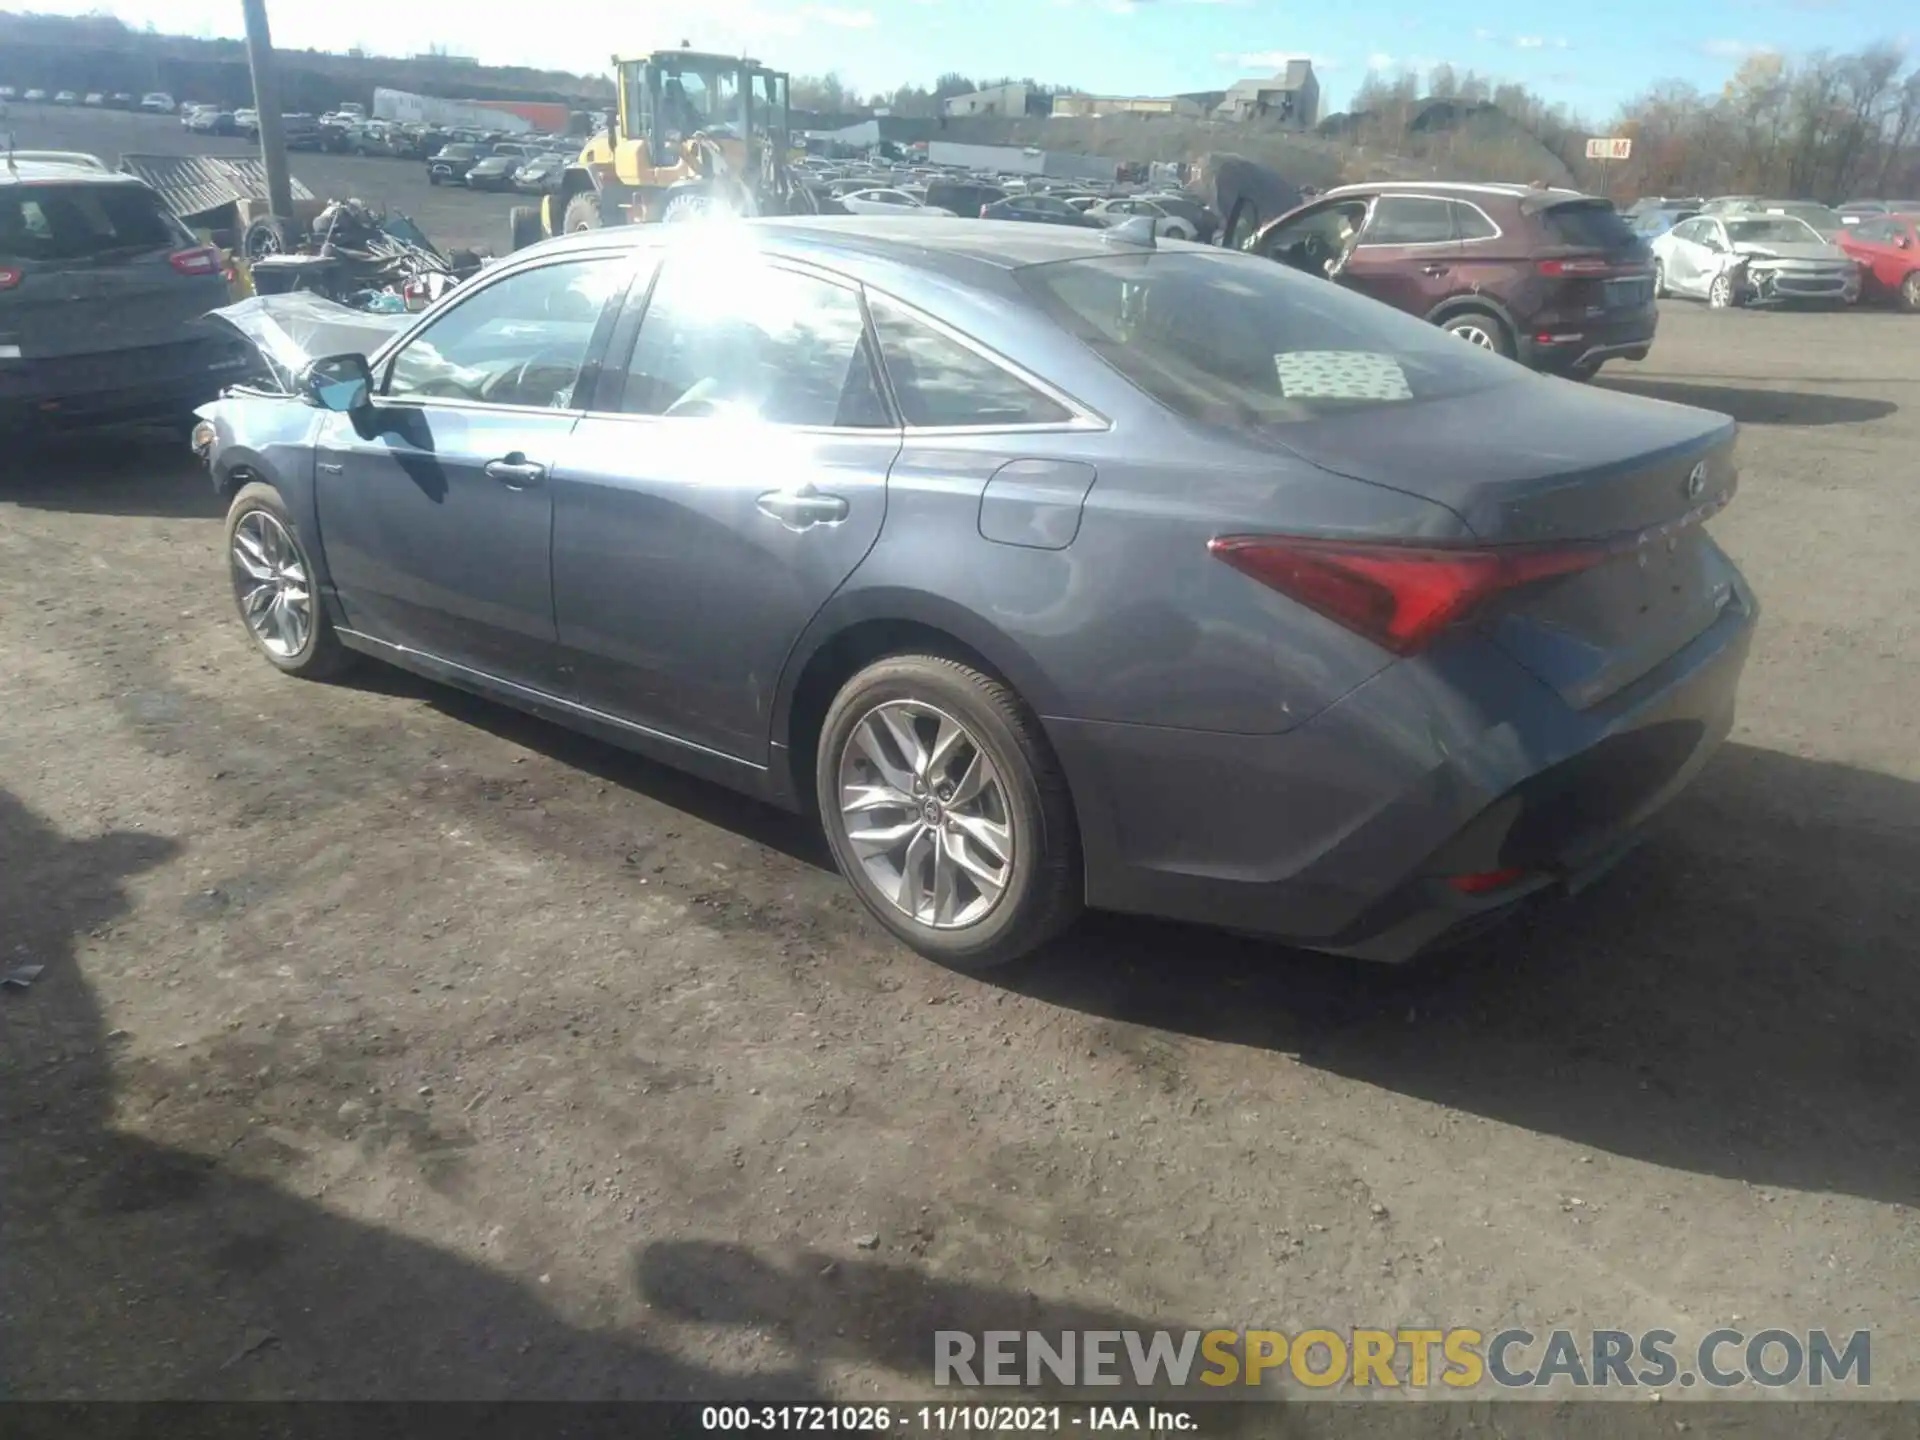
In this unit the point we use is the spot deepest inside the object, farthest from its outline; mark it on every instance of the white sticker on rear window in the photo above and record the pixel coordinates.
(1340, 375)
(9, 352)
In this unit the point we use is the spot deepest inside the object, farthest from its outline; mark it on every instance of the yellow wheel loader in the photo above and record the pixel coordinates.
(693, 134)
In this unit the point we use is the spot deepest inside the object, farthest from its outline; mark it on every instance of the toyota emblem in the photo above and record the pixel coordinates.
(1697, 481)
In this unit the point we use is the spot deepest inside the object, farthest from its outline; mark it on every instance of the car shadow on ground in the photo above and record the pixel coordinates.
(1756, 406)
(1737, 999)
(129, 471)
(137, 1269)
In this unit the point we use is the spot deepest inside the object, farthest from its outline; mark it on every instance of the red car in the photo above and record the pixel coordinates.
(1888, 249)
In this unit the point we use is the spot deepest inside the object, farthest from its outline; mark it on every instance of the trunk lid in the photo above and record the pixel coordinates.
(1547, 462)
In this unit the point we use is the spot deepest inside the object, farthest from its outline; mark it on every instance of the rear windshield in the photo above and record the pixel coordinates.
(1588, 224)
(1242, 344)
(460, 152)
(82, 222)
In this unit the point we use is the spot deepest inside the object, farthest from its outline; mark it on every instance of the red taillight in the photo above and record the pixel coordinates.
(1399, 596)
(10, 277)
(1577, 267)
(202, 260)
(1486, 881)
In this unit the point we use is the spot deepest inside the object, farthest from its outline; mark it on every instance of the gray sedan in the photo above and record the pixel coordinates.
(1048, 567)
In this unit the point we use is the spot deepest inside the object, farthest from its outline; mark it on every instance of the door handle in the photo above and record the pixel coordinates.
(804, 508)
(516, 470)
(1433, 269)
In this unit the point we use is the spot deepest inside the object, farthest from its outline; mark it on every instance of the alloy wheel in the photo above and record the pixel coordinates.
(270, 579)
(925, 811)
(1473, 333)
(1720, 293)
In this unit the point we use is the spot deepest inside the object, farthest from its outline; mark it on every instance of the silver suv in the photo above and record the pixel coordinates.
(102, 291)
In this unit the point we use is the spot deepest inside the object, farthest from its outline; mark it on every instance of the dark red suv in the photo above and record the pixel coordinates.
(1553, 278)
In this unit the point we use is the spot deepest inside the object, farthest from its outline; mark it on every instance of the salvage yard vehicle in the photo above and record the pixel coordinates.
(157, 102)
(450, 163)
(693, 132)
(101, 295)
(1048, 567)
(1887, 249)
(1552, 278)
(494, 172)
(1165, 223)
(1736, 258)
(889, 202)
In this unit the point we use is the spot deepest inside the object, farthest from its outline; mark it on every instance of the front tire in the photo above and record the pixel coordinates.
(1910, 293)
(274, 588)
(947, 811)
(524, 227)
(582, 213)
(1659, 280)
(1722, 294)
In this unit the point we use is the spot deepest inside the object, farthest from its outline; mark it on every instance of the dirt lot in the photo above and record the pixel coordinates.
(391, 1044)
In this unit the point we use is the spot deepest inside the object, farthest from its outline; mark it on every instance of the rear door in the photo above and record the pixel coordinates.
(99, 266)
(1405, 255)
(726, 484)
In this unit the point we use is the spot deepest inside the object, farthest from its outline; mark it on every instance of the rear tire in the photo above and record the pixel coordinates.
(998, 779)
(1584, 372)
(582, 213)
(1480, 327)
(524, 227)
(258, 511)
(1659, 280)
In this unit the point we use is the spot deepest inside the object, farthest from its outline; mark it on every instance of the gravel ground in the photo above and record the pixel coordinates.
(392, 1044)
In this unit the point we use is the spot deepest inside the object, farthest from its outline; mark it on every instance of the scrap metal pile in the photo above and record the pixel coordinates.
(354, 255)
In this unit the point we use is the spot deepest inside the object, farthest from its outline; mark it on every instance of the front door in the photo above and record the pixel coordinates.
(435, 503)
(1314, 239)
(698, 530)
(1406, 254)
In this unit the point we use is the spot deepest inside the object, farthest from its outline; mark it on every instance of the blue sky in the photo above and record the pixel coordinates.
(1592, 57)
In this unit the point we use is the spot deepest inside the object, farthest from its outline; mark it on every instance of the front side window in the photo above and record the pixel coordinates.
(1241, 345)
(737, 339)
(940, 382)
(522, 340)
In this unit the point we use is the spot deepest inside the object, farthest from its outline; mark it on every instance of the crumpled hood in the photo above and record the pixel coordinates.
(290, 331)
(1790, 250)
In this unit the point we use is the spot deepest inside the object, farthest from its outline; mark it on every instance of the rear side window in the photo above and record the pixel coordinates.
(1470, 224)
(1410, 220)
(1587, 225)
(939, 381)
(83, 222)
(752, 343)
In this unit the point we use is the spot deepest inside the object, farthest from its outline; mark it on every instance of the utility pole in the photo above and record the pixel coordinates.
(266, 104)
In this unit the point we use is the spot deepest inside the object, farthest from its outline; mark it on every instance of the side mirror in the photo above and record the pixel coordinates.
(1902, 241)
(342, 383)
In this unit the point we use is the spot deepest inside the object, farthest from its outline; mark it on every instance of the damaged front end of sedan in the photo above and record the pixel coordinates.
(285, 334)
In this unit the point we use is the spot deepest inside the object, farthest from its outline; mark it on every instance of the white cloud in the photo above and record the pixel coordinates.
(1482, 33)
(843, 19)
(1734, 49)
(1380, 60)
(1527, 42)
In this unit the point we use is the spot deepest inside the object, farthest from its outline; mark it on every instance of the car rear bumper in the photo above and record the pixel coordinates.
(1345, 834)
(1559, 345)
(74, 391)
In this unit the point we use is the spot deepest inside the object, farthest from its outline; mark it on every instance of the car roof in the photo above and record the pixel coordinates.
(27, 167)
(943, 244)
(1503, 189)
